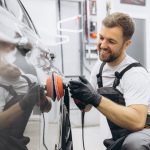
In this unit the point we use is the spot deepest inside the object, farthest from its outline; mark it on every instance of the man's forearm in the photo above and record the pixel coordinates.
(131, 118)
(10, 115)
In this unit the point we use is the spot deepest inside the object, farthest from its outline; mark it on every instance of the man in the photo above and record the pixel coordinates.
(123, 98)
(19, 93)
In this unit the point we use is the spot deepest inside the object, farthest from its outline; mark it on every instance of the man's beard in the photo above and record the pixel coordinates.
(111, 58)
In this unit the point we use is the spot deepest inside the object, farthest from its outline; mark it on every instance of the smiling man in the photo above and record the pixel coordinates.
(119, 86)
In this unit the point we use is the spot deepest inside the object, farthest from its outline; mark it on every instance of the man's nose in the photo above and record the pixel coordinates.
(102, 45)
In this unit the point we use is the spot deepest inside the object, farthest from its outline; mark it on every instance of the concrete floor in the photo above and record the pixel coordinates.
(95, 131)
(93, 136)
(92, 139)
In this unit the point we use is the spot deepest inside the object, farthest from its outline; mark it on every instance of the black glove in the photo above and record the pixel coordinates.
(81, 105)
(31, 98)
(83, 91)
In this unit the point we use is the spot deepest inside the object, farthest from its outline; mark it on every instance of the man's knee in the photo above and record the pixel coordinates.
(133, 142)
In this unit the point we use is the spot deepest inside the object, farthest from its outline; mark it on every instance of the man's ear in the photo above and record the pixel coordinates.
(127, 43)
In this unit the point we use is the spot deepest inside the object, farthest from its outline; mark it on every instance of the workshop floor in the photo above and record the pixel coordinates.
(93, 137)
(94, 134)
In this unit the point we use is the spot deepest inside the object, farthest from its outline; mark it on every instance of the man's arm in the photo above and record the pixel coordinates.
(132, 117)
(28, 101)
(10, 115)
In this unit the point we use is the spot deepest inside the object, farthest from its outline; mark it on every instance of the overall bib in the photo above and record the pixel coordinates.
(118, 133)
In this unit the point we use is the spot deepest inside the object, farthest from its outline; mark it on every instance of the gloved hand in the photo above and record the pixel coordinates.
(83, 91)
(81, 105)
(31, 98)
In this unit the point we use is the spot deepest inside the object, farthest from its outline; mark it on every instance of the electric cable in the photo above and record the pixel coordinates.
(44, 132)
(82, 119)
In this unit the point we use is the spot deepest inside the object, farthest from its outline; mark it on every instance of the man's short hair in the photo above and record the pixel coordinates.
(122, 20)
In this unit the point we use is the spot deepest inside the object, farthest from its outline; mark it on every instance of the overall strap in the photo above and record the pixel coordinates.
(10, 89)
(27, 79)
(120, 74)
(99, 75)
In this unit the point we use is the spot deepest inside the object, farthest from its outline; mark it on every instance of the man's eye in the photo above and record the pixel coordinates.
(101, 38)
(112, 42)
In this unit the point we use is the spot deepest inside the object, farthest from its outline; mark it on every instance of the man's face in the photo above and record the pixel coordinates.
(111, 44)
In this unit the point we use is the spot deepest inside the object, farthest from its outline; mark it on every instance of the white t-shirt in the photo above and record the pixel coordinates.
(20, 85)
(134, 85)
